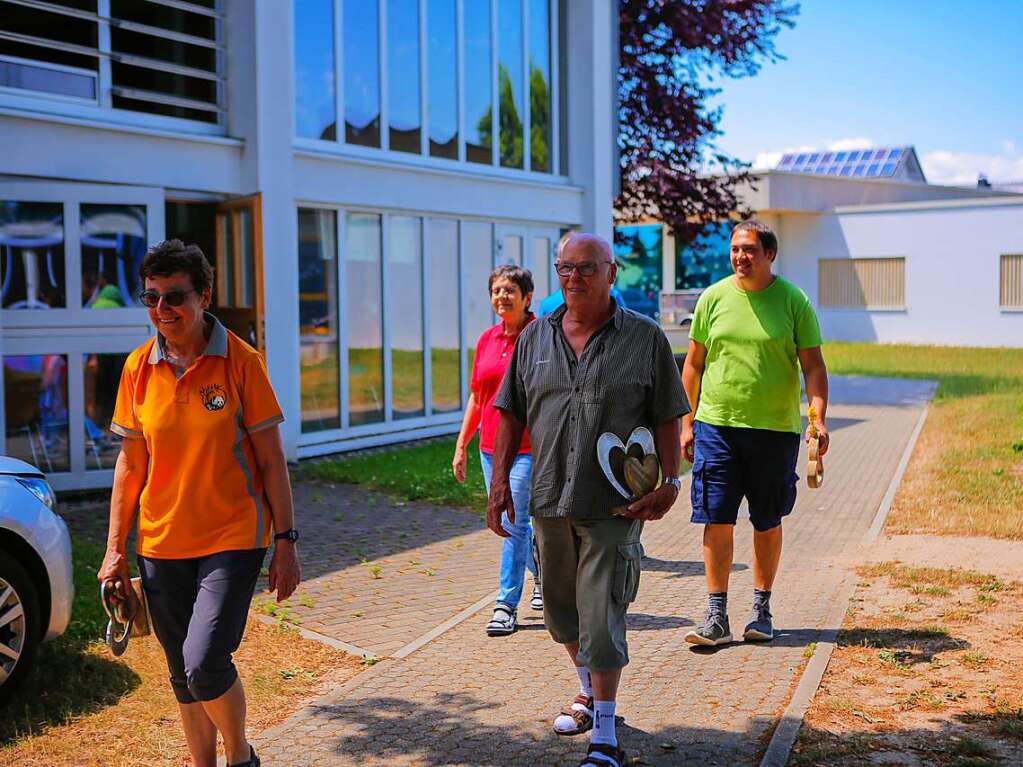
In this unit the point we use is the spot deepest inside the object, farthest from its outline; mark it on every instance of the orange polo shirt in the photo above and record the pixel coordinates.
(204, 493)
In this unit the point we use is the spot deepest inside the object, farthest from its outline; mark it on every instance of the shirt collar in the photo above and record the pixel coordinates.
(529, 318)
(618, 317)
(215, 347)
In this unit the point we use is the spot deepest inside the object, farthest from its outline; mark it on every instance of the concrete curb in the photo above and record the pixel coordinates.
(337, 644)
(785, 734)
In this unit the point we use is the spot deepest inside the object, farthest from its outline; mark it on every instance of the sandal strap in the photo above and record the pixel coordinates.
(615, 756)
(584, 700)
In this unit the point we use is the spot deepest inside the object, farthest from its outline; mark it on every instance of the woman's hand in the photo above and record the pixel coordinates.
(115, 568)
(458, 464)
(285, 572)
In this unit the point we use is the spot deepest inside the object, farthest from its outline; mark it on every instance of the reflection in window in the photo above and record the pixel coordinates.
(363, 315)
(446, 382)
(361, 29)
(32, 255)
(442, 74)
(113, 246)
(477, 260)
(315, 104)
(64, 81)
(35, 410)
(318, 318)
(509, 81)
(540, 136)
(405, 312)
(478, 90)
(101, 376)
(403, 74)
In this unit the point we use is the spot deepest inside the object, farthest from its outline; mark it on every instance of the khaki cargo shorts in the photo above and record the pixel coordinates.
(590, 573)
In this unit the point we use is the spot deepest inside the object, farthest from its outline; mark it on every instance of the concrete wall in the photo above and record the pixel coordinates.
(952, 253)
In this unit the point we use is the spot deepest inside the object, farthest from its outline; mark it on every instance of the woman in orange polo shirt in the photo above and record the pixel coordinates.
(511, 290)
(203, 462)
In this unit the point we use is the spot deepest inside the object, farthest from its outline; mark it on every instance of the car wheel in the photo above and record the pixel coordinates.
(19, 624)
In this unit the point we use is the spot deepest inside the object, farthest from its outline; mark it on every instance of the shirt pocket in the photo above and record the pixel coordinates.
(628, 565)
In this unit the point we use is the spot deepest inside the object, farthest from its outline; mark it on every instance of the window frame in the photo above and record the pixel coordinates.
(341, 147)
(866, 306)
(1004, 259)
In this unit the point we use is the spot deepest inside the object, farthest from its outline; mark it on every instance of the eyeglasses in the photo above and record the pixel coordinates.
(585, 269)
(173, 297)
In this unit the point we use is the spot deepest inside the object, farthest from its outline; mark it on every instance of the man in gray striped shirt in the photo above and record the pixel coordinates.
(590, 367)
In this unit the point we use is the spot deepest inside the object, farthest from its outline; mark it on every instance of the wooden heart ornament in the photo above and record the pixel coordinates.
(631, 468)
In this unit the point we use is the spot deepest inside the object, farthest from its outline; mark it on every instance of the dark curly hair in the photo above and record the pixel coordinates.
(173, 256)
(521, 277)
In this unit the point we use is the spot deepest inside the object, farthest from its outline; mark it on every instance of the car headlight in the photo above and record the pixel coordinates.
(41, 489)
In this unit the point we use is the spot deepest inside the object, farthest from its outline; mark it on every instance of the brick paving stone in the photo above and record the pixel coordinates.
(464, 699)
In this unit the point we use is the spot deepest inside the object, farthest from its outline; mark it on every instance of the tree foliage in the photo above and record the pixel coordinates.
(671, 168)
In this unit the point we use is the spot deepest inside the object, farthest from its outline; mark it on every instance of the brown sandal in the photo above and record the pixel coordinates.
(607, 752)
(583, 719)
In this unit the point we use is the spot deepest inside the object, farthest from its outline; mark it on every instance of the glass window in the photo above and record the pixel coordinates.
(509, 81)
(24, 21)
(403, 75)
(511, 249)
(540, 136)
(478, 89)
(32, 255)
(363, 315)
(101, 377)
(541, 269)
(35, 410)
(315, 91)
(446, 383)
(317, 319)
(361, 51)
(405, 314)
(113, 245)
(442, 74)
(246, 259)
(48, 79)
(477, 263)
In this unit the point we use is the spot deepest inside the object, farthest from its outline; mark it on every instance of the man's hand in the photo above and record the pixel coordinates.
(653, 505)
(285, 572)
(823, 438)
(688, 440)
(458, 464)
(500, 501)
(115, 568)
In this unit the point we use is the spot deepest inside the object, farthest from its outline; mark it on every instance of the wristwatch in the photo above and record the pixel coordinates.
(675, 482)
(287, 535)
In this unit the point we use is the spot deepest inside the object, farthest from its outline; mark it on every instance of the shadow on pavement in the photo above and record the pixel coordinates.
(682, 568)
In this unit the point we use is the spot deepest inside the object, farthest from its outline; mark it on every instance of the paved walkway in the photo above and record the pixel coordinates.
(464, 699)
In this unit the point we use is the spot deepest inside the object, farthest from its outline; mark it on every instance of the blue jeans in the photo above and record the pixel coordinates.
(517, 548)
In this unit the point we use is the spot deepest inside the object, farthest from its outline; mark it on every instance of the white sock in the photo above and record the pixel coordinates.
(604, 723)
(585, 686)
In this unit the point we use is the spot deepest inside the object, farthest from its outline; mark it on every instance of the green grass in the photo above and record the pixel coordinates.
(966, 476)
(421, 473)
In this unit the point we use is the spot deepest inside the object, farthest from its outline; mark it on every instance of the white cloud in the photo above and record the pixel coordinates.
(962, 168)
(844, 144)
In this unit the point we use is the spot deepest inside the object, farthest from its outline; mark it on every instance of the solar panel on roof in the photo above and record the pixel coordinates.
(862, 163)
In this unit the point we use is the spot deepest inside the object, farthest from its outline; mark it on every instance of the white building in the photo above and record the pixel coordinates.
(353, 168)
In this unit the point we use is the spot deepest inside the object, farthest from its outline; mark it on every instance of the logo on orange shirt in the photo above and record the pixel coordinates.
(213, 397)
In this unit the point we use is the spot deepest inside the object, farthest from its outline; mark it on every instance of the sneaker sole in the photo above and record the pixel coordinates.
(694, 638)
(757, 636)
(500, 632)
(537, 607)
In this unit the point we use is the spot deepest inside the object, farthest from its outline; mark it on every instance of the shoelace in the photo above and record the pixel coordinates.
(762, 611)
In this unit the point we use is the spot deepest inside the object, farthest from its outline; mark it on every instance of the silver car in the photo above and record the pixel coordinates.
(36, 586)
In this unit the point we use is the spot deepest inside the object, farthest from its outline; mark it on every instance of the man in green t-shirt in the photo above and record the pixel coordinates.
(751, 333)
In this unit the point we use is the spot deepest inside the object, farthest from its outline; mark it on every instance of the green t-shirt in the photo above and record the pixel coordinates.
(751, 373)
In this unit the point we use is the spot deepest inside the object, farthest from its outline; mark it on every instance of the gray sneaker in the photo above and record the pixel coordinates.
(759, 628)
(712, 632)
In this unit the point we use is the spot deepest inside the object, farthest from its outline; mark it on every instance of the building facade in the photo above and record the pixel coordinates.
(353, 168)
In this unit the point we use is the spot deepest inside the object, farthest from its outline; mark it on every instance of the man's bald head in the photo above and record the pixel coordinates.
(585, 245)
(586, 271)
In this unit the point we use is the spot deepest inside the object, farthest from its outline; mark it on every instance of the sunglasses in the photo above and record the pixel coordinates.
(173, 297)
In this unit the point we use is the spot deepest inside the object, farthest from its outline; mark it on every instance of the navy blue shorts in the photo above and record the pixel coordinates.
(731, 462)
(199, 607)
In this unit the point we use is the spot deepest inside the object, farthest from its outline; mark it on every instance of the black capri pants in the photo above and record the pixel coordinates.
(199, 607)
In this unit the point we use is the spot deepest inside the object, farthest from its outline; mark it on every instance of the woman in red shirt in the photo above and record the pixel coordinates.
(511, 290)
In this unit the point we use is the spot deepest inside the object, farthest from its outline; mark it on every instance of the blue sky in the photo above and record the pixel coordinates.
(945, 76)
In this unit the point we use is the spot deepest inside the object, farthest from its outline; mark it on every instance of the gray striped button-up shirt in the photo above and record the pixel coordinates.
(626, 377)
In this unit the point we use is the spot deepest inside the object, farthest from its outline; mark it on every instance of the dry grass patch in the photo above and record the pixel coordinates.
(928, 691)
(136, 721)
(965, 477)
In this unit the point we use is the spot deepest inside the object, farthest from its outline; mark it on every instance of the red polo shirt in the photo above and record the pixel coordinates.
(493, 353)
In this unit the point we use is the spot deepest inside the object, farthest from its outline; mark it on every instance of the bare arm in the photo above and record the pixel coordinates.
(506, 447)
(268, 449)
(130, 473)
(692, 376)
(470, 423)
(815, 374)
